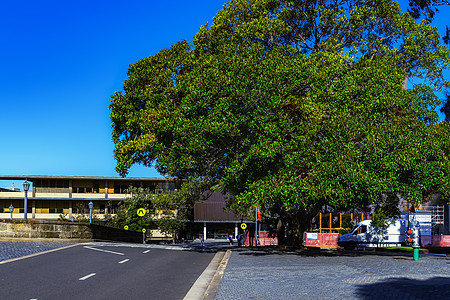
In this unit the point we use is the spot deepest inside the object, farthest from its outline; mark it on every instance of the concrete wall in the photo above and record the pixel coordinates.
(63, 231)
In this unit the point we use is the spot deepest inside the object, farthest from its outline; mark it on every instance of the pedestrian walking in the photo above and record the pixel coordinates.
(238, 237)
(230, 238)
(202, 240)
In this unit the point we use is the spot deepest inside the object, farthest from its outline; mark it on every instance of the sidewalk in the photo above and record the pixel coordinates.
(211, 245)
(11, 250)
(303, 274)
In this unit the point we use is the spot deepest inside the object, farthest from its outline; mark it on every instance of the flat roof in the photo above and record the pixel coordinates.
(31, 177)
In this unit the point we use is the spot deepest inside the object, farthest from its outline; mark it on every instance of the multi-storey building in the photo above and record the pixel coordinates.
(55, 197)
(50, 197)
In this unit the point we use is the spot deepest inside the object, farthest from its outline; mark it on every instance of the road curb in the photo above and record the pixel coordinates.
(207, 285)
(213, 287)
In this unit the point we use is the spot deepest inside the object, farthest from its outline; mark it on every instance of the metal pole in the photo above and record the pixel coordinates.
(91, 206)
(25, 209)
(256, 226)
(416, 243)
(26, 186)
(143, 234)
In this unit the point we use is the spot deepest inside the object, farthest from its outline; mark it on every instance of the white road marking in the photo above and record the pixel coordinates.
(87, 276)
(107, 251)
(147, 251)
(123, 261)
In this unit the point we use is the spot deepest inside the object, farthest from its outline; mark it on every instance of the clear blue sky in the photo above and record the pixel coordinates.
(60, 61)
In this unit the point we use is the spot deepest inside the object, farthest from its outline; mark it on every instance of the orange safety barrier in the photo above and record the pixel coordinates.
(266, 240)
(321, 240)
(437, 241)
(263, 239)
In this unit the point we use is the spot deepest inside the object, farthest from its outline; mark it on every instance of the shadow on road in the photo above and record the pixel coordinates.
(404, 288)
(263, 251)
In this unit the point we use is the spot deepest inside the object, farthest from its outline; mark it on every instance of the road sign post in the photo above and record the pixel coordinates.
(141, 212)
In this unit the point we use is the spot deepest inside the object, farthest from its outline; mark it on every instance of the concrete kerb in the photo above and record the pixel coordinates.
(207, 285)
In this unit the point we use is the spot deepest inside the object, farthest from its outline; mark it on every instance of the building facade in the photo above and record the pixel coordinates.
(54, 197)
(212, 219)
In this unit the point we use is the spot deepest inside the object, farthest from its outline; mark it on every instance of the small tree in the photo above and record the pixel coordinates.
(165, 211)
(126, 214)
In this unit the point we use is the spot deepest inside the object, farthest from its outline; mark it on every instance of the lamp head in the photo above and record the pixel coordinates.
(26, 186)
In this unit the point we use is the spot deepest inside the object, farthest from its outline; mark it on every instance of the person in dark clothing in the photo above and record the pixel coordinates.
(239, 239)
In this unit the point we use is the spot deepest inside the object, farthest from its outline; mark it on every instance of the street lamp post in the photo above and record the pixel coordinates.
(26, 186)
(91, 206)
(11, 208)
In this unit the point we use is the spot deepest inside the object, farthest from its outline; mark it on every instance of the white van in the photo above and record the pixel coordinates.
(363, 234)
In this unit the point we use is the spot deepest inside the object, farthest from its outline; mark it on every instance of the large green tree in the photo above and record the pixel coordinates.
(295, 105)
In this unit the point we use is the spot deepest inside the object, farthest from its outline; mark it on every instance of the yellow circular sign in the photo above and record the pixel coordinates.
(144, 230)
(141, 212)
(244, 226)
(125, 227)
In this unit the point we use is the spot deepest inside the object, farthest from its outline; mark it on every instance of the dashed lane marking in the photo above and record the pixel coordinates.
(87, 276)
(146, 251)
(123, 261)
(102, 250)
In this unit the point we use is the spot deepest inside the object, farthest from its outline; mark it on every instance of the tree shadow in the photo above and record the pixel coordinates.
(263, 251)
(406, 288)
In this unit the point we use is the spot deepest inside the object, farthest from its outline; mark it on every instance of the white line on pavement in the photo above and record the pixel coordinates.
(123, 261)
(107, 251)
(87, 276)
(146, 251)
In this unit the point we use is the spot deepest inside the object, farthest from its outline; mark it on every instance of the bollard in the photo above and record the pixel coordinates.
(416, 243)
(416, 253)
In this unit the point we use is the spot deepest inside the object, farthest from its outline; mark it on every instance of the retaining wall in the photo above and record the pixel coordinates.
(63, 231)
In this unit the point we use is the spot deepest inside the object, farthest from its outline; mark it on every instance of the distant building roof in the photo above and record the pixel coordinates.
(32, 177)
(11, 188)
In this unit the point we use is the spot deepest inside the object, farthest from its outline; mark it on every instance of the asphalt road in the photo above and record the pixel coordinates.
(103, 272)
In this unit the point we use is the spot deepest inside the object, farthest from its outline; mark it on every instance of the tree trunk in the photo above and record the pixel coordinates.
(296, 223)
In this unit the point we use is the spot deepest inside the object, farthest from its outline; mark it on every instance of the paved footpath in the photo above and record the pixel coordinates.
(309, 274)
(10, 250)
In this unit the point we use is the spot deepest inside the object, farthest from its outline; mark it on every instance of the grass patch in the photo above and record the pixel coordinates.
(406, 249)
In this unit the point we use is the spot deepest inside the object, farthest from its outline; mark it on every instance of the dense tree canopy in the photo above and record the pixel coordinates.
(295, 104)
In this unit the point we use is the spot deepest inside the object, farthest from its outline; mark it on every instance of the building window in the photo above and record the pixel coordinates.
(122, 187)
